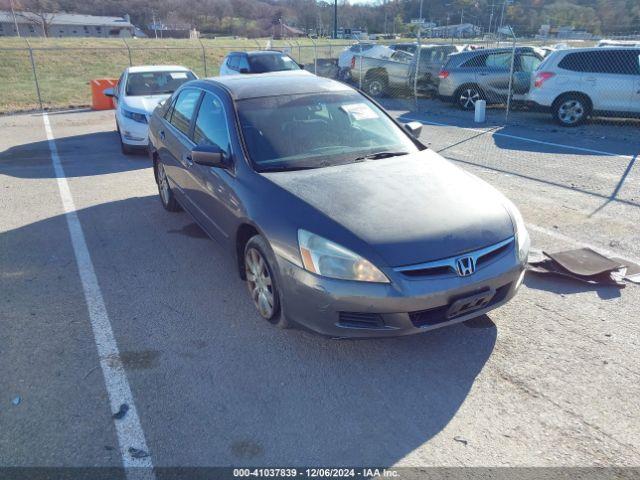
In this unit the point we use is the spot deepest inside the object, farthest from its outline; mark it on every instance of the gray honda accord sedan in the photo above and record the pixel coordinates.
(341, 221)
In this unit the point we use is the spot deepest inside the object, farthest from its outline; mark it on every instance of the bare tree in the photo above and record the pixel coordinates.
(38, 12)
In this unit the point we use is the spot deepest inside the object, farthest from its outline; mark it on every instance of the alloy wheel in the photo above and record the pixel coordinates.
(571, 112)
(259, 283)
(468, 98)
(163, 185)
(375, 88)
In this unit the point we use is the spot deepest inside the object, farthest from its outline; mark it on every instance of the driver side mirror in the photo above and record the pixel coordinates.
(414, 128)
(209, 156)
(109, 92)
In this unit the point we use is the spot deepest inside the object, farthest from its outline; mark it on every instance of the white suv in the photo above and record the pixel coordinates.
(576, 83)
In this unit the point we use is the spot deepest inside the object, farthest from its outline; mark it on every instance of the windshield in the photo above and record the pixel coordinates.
(272, 63)
(317, 130)
(156, 83)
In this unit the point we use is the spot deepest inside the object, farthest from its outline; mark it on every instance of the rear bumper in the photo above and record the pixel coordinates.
(406, 306)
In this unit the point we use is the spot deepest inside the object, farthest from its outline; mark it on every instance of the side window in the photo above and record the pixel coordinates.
(183, 109)
(169, 112)
(529, 62)
(243, 62)
(232, 62)
(476, 61)
(120, 86)
(211, 124)
(621, 62)
(624, 62)
(499, 61)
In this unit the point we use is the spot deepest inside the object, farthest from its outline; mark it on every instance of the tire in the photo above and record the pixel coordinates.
(571, 110)
(375, 87)
(167, 197)
(262, 281)
(467, 96)
(126, 149)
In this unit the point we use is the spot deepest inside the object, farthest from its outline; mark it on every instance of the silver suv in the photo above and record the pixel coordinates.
(484, 74)
(578, 82)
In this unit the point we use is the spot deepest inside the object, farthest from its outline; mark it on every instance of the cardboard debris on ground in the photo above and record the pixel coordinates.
(585, 265)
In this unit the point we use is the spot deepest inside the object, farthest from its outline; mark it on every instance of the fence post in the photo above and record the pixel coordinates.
(128, 51)
(513, 58)
(417, 65)
(360, 67)
(35, 74)
(204, 57)
(315, 57)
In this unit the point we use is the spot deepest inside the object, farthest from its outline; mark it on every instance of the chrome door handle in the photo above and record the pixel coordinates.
(162, 135)
(187, 159)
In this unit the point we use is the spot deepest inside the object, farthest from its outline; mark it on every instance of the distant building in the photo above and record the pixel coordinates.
(64, 25)
(174, 30)
(462, 30)
(563, 33)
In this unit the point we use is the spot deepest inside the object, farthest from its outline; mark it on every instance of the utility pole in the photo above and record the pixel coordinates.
(335, 19)
(491, 17)
(502, 13)
(13, 12)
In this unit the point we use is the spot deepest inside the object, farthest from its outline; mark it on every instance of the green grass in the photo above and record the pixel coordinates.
(65, 66)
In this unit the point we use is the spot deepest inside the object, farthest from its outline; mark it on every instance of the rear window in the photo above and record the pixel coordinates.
(622, 62)
(156, 83)
(271, 63)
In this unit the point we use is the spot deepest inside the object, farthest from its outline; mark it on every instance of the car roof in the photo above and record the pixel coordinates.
(157, 68)
(598, 49)
(255, 53)
(291, 82)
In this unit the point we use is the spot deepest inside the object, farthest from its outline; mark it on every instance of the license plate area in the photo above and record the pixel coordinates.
(471, 303)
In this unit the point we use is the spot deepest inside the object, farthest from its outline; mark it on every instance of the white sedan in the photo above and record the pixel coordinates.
(138, 92)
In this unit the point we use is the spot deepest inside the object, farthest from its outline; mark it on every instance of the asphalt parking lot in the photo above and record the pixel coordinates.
(550, 379)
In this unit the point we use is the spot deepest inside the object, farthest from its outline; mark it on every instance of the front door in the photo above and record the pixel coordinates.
(213, 193)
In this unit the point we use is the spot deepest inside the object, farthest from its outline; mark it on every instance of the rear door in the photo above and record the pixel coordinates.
(526, 64)
(174, 136)
(493, 77)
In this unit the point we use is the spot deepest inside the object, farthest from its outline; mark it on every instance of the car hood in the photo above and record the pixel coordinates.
(409, 209)
(146, 103)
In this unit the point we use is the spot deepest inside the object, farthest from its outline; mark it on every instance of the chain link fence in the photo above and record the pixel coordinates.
(534, 109)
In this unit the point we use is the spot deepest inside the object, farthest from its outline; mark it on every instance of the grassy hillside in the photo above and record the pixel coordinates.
(64, 65)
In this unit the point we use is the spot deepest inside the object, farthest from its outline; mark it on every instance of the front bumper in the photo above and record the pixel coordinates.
(407, 305)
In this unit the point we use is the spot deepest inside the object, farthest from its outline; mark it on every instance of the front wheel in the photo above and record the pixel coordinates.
(468, 96)
(126, 149)
(259, 268)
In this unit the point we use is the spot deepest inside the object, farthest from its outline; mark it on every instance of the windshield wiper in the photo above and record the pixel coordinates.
(378, 155)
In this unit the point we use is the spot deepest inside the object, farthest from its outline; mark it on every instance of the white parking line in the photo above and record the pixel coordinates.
(526, 139)
(129, 429)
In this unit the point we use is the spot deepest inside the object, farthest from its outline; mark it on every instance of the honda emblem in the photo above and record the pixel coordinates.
(465, 266)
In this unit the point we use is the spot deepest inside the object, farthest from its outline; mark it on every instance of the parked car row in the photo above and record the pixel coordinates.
(300, 177)
(571, 83)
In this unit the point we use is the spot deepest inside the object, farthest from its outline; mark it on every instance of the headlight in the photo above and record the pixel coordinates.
(136, 117)
(523, 242)
(329, 259)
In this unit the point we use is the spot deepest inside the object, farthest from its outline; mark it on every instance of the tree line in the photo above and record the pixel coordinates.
(254, 18)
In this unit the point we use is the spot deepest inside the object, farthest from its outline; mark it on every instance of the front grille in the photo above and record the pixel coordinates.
(447, 266)
(360, 320)
(434, 316)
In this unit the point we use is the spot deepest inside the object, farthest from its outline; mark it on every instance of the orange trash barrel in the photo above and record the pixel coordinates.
(99, 101)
